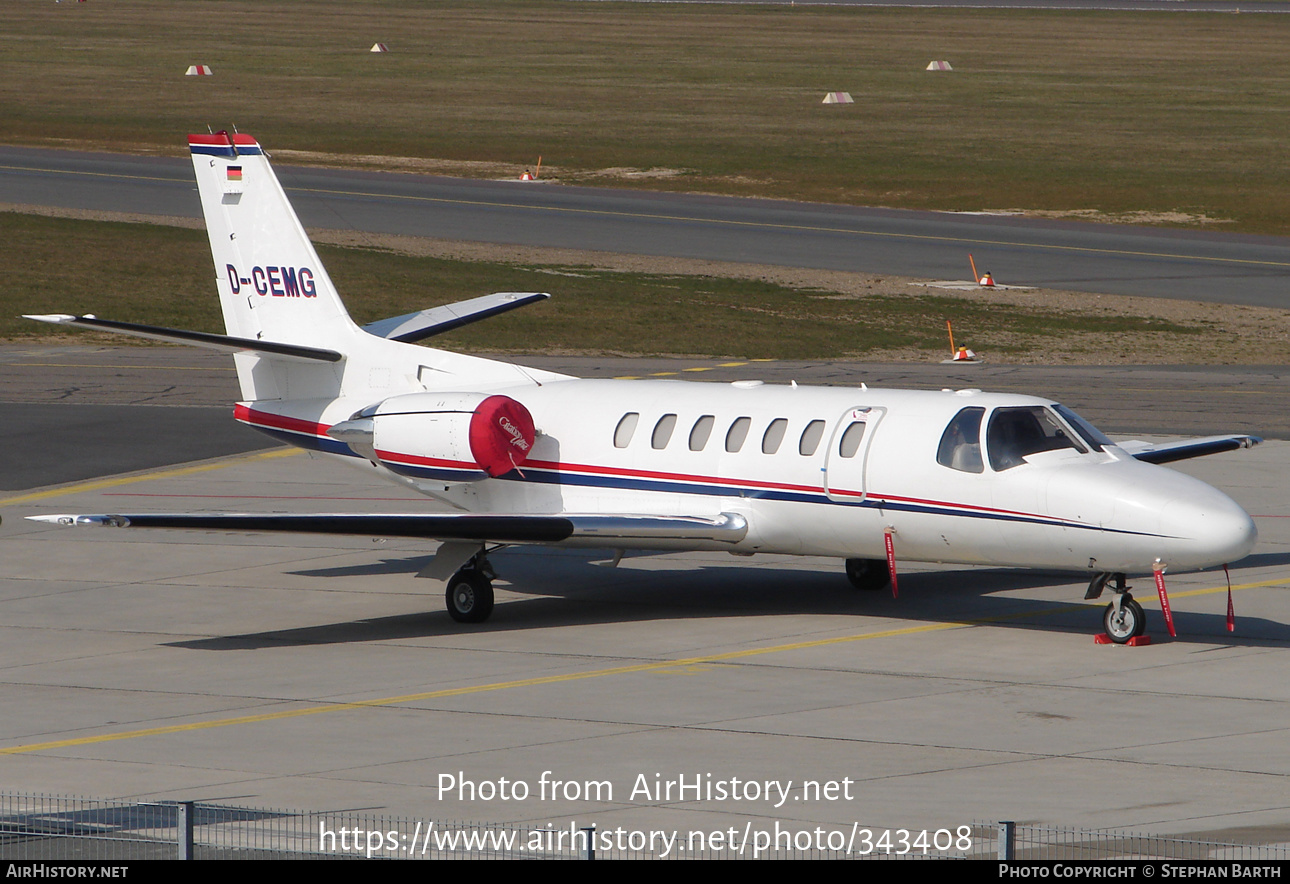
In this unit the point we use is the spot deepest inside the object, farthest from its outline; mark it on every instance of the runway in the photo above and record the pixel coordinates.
(1152, 262)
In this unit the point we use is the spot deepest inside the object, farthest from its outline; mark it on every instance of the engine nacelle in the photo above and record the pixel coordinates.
(447, 437)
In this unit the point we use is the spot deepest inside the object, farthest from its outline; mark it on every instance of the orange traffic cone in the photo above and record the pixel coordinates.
(987, 281)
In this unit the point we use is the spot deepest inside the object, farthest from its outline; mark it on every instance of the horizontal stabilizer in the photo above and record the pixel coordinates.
(412, 327)
(225, 343)
(1171, 451)
(452, 526)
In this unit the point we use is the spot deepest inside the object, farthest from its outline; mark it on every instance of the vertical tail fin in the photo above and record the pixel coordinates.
(271, 283)
(272, 286)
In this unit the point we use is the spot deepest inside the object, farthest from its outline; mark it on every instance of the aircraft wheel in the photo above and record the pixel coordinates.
(868, 574)
(469, 596)
(1131, 621)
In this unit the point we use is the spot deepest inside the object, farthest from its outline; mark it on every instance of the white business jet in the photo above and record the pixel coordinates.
(533, 457)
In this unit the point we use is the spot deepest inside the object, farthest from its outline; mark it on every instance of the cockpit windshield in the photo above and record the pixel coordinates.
(1015, 433)
(1095, 438)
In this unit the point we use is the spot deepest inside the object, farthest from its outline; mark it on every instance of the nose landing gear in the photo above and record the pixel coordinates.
(1124, 618)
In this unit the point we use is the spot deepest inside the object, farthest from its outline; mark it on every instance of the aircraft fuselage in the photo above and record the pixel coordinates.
(779, 456)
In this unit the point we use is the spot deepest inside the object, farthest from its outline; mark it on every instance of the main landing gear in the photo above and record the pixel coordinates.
(868, 574)
(470, 592)
(1124, 618)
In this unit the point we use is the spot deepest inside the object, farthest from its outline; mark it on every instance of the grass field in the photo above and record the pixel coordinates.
(1117, 113)
(166, 279)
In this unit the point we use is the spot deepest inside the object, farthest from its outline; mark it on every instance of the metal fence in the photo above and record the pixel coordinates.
(41, 827)
(1044, 843)
(38, 827)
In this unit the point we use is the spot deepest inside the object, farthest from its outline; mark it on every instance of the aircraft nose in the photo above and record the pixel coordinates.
(1211, 529)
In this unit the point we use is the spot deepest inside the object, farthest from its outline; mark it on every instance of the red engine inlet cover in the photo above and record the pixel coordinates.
(501, 435)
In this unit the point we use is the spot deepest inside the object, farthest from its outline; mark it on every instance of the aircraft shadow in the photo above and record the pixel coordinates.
(567, 590)
(409, 566)
(1263, 560)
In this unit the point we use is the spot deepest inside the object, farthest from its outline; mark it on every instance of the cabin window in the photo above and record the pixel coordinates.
(1015, 433)
(811, 437)
(850, 442)
(774, 435)
(663, 431)
(960, 447)
(737, 433)
(626, 427)
(701, 432)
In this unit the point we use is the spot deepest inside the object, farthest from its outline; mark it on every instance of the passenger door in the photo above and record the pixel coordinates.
(847, 457)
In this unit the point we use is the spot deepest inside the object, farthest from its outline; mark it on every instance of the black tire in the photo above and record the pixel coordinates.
(469, 596)
(1131, 623)
(1142, 617)
(868, 574)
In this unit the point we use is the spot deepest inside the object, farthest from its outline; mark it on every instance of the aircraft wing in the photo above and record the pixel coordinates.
(608, 530)
(1169, 452)
(412, 327)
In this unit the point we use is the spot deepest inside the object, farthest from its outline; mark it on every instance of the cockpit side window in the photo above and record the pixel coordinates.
(960, 447)
(1015, 433)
